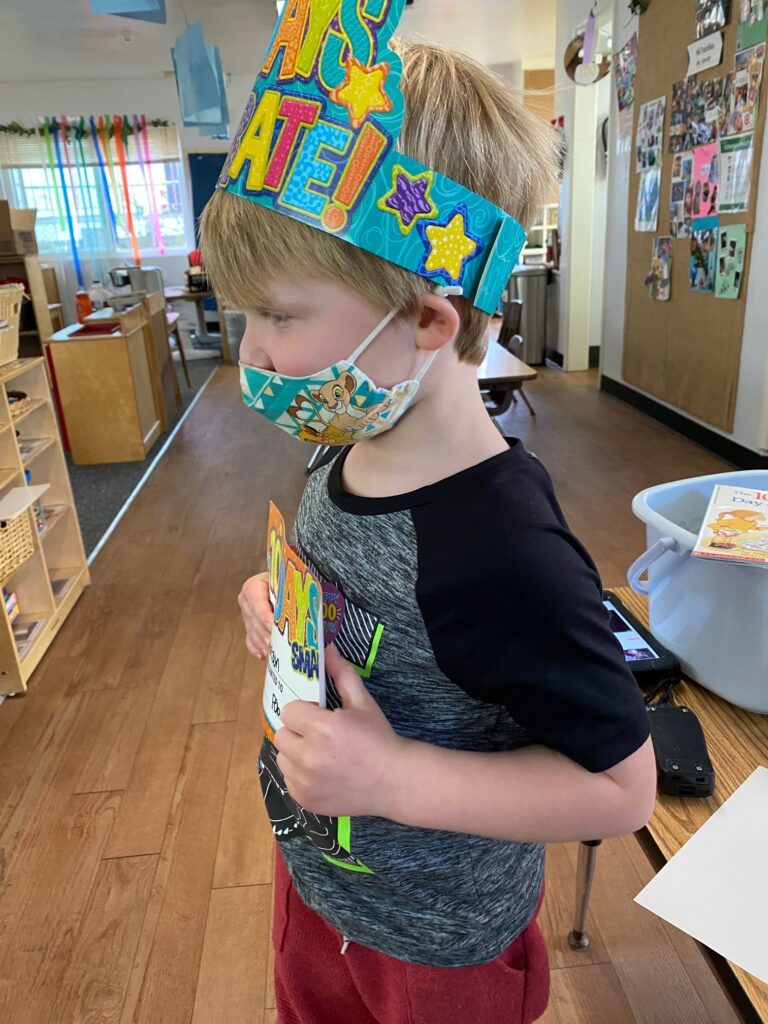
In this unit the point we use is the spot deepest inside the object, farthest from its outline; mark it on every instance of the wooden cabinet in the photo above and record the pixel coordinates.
(105, 391)
(51, 577)
(165, 384)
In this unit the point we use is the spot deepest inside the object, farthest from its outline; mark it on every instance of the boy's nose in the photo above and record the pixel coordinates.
(253, 354)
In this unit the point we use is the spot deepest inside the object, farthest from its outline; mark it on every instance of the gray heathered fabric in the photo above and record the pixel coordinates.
(438, 898)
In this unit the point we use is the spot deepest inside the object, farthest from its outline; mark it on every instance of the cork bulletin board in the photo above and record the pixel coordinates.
(686, 351)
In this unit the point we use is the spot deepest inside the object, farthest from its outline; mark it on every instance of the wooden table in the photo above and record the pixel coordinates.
(205, 337)
(500, 368)
(738, 743)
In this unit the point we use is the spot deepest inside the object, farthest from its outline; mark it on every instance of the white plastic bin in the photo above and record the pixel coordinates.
(711, 615)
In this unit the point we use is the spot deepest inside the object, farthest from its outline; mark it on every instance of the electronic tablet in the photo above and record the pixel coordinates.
(648, 660)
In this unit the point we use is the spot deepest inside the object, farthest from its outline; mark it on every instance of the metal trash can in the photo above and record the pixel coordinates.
(529, 283)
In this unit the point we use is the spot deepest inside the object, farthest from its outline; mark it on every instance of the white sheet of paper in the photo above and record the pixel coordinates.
(716, 887)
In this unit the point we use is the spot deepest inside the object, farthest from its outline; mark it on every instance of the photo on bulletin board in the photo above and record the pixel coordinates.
(753, 23)
(649, 144)
(625, 70)
(647, 212)
(752, 11)
(706, 180)
(735, 173)
(703, 267)
(710, 110)
(697, 113)
(711, 15)
(681, 196)
(743, 91)
(731, 250)
(659, 279)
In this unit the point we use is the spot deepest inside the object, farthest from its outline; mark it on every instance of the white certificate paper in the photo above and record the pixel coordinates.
(716, 887)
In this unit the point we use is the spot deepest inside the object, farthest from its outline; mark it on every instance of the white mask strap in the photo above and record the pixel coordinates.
(372, 336)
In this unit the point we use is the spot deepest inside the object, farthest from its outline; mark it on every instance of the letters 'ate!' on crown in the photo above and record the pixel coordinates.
(318, 142)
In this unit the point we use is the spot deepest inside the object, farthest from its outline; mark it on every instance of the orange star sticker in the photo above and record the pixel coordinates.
(362, 91)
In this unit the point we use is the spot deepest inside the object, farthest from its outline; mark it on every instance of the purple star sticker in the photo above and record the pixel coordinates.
(410, 199)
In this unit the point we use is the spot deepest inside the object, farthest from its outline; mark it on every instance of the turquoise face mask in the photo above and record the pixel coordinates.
(336, 406)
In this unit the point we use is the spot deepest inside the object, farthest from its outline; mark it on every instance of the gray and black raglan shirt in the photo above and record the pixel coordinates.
(475, 618)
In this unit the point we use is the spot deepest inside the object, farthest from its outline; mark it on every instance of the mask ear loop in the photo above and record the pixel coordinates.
(373, 335)
(443, 291)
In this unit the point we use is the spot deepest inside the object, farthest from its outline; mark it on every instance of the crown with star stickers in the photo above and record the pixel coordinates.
(318, 142)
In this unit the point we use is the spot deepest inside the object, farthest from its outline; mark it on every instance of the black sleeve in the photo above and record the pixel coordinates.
(516, 618)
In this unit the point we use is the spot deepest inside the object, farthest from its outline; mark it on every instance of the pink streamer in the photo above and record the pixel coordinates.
(146, 169)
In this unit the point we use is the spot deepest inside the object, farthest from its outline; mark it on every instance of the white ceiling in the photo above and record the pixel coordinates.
(55, 40)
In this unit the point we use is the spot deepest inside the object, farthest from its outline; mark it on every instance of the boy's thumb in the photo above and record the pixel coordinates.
(348, 683)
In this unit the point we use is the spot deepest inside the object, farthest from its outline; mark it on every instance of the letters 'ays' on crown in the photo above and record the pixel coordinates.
(318, 142)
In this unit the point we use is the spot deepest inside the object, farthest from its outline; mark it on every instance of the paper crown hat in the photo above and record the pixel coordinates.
(318, 142)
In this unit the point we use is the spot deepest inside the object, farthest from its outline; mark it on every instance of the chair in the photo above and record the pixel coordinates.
(173, 329)
(497, 401)
(510, 324)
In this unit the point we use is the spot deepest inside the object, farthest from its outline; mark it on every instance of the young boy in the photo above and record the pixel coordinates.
(480, 705)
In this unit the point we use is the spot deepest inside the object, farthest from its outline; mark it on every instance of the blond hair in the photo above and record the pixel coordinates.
(460, 120)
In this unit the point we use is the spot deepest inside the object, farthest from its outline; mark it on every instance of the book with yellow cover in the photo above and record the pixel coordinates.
(735, 527)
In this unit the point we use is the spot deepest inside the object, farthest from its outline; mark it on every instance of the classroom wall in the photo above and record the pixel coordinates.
(751, 415)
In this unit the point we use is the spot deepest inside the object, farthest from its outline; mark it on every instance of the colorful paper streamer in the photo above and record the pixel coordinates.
(110, 167)
(119, 126)
(102, 172)
(142, 148)
(90, 213)
(70, 223)
(52, 168)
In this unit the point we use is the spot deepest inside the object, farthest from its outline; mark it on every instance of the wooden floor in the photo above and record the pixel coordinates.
(135, 861)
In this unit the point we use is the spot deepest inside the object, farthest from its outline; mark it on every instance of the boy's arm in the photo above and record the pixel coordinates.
(529, 795)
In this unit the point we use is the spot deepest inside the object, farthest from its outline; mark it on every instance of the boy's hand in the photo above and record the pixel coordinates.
(257, 614)
(339, 762)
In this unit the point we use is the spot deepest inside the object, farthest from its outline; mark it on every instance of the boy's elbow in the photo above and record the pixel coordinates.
(636, 781)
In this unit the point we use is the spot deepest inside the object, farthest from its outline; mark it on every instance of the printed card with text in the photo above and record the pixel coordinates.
(295, 665)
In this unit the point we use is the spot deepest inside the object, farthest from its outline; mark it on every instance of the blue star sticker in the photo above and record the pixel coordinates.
(409, 198)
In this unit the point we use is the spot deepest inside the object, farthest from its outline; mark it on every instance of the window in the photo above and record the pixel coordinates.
(31, 183)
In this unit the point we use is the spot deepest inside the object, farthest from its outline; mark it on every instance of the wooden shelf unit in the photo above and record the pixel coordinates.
(28, 269)
(58, 550)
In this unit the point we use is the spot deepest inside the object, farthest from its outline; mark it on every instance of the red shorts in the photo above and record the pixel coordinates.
(314, 984)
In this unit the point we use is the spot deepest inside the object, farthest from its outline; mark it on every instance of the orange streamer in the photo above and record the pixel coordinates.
(117, 123)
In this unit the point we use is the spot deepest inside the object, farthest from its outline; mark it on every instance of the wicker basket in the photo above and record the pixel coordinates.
(19, 406)
(10, 310)
(15, 543)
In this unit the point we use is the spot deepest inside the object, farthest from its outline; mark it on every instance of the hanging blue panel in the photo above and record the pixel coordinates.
(196, 79)
(221, 128)
(140, 10)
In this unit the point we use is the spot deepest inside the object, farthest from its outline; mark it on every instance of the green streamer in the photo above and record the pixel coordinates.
(52, 169)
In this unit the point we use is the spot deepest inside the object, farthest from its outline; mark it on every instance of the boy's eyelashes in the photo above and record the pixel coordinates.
(278, 319)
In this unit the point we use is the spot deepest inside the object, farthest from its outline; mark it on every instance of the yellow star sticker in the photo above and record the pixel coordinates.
(450, 246)
(362, 91)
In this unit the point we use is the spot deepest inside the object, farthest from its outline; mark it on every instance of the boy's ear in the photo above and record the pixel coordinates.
(439, 322)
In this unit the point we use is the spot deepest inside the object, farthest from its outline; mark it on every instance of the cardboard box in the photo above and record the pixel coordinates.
(51, 283)
(17, 231)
